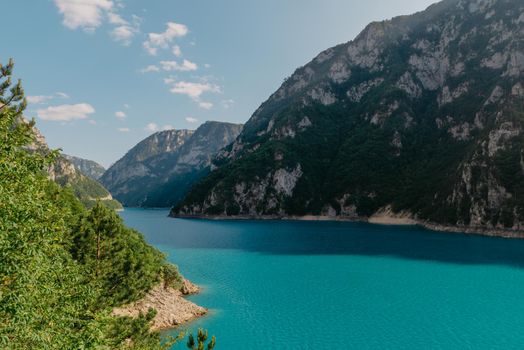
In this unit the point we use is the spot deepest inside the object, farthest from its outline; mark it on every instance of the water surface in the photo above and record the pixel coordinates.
(339, 285)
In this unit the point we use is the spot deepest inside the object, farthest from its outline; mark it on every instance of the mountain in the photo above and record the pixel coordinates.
(420, 116)
(88, 167)
(65, 173)
(159, 170)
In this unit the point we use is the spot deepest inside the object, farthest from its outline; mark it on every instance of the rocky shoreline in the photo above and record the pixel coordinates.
(171, 306)
(380, 218)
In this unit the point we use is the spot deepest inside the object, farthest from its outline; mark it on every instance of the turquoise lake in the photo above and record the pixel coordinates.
(336, 285)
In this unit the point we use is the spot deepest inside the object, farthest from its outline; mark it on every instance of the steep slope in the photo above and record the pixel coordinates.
(86, 189)
(89, 168)
(420, 115)
(133, 176)
(160, 169)
(63, 172)
(192, 162)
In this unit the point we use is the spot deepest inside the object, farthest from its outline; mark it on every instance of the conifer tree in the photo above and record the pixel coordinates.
(200, 344)
(62, 268)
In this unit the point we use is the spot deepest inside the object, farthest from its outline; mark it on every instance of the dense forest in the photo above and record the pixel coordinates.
(63, 266)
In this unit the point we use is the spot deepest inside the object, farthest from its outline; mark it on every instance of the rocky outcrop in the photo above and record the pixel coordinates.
(420, 114)
(87, 167)
(172, 308)
(140, 162)
(160, 169)
(65, 173)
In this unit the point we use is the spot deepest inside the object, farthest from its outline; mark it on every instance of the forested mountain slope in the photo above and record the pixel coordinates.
(88, 167)
(159, 170)
(66, 174)
(421, 115)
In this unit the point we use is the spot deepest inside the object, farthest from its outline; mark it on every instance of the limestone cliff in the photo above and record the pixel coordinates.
(64, 172)
(421, 114)
(159, 170)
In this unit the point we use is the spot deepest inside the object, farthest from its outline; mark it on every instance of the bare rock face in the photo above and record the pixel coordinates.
(420, 114)
(189, 288)
(136, 163)
(89, 168)
(161, 168)
(63, 171)
(172, 308)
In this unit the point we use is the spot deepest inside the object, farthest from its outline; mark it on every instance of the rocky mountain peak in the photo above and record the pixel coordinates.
(419, 113)
(159, 168)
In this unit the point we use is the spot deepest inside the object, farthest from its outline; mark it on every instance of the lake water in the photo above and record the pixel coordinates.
(334, 285)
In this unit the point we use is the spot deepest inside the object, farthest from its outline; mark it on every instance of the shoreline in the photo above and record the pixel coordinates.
(376, 219)
(173, 309)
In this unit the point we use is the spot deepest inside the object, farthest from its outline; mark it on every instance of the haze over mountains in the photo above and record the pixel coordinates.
(87, 167)
(77, 173)
(421, 115)
(159, 170)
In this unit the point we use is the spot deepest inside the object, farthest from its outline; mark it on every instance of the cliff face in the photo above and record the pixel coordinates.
(421, 114)
(161, 168)
(89, 168)
(65, 173)
(132, 176)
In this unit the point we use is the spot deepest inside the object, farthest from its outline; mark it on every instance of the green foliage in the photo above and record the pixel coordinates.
(171, 276)
(200, 343)
(42, 291)
(414, 152)
(89, 191)
(64, 267)
(120, 262)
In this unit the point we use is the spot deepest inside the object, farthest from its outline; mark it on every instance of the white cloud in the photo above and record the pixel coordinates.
(116, 19)
(162, 40)
(127, 106)
(123, 34)
(62, 95)
(66, 113)
(177, 51)
(120, 115)
(186, 66)
(150, 49)
(149, 69)
(205, 105)
(169, 80)
(191, 120)
(39, 99)
(89, 15)
(228, 103)
(124, 129)
(152, 127)
(92, 122)
(193, 90)
(85, 14)
(207, 65)
(42, 99)
(125, 31)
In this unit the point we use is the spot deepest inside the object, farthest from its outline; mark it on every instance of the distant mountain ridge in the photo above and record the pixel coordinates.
(419, 116)
(159, 170)
(65, 173)
(88, 167)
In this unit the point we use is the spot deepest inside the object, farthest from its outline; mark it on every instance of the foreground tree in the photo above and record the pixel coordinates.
(42, 291)
(63, 268)
(200, 343)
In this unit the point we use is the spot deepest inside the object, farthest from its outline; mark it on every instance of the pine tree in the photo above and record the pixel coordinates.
(42, 291)
(202, 336)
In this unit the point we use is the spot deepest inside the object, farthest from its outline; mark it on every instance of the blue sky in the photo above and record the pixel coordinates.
(101, 75)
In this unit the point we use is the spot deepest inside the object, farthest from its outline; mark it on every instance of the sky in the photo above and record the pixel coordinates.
(101, 75)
